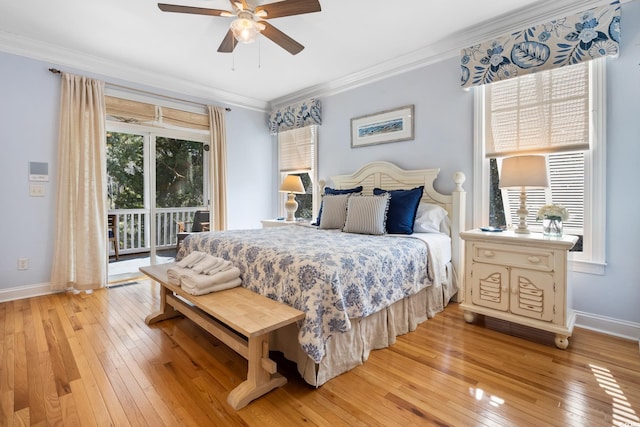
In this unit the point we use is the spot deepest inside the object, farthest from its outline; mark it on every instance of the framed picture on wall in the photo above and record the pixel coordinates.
(380, 128)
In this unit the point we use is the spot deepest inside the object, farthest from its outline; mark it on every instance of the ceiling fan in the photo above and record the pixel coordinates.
(250, 22)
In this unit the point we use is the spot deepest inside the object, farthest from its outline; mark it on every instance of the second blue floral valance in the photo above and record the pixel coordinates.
(301, 114)
(561, 42)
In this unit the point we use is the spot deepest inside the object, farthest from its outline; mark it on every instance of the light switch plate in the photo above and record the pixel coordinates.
(36, 189)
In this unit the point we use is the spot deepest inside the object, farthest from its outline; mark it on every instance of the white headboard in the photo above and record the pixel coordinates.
(390, 177)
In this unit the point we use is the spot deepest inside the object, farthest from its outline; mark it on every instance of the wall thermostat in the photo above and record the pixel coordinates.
(38, 171)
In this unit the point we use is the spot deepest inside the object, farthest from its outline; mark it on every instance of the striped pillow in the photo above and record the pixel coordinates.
(334, 211)
(367, 214)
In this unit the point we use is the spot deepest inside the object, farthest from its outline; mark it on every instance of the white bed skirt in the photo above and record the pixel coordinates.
(350, 349)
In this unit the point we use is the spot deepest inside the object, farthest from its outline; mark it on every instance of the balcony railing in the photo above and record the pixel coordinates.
(134, 234)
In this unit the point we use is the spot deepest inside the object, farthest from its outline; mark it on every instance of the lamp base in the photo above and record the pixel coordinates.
(522, 214)
(291, 206)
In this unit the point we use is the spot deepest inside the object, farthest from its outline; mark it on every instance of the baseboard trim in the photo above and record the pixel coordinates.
(27, 291)
(608, 325)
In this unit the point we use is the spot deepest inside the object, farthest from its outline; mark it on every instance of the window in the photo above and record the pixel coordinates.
(561, 113)
(297, 150)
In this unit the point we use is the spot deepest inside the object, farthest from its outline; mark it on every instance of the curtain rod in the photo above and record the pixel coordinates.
(56, 71)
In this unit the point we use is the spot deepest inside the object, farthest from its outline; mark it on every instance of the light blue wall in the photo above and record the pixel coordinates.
(29, 97)
(617, 294)
(443, 125)
(444, 138)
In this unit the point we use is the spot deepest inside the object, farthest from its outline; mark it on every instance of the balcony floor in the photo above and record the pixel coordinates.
(127, 267)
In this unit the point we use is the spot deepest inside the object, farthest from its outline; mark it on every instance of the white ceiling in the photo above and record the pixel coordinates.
(349, 41)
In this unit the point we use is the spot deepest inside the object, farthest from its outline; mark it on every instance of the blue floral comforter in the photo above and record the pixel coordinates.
(329, 275)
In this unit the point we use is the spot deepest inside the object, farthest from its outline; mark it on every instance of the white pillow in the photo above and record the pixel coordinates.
(367, 214)
(334, 211)
(429, 218)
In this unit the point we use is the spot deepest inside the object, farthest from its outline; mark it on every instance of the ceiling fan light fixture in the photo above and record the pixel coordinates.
(245, 30)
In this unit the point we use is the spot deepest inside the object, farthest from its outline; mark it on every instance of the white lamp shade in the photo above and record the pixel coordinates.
(524, 171)
(292, 184)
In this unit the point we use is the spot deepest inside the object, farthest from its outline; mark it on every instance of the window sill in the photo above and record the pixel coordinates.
(587, 267)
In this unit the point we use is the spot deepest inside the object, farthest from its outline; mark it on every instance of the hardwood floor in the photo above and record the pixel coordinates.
(90, 360)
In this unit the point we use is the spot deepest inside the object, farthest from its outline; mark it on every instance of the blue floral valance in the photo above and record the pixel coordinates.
(301, 114)
(561, 42)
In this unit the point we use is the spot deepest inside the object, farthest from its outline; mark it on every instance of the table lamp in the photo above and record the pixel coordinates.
(292, 184)
(524, 172)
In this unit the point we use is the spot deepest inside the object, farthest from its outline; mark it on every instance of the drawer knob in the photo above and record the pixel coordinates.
(488, 254)
(534, 259)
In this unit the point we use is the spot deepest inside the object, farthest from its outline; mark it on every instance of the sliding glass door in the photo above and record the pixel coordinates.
(179, 186)
(155, 183)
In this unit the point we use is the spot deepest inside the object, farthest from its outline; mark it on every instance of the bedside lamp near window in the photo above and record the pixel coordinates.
(292, 184)
(524, 172)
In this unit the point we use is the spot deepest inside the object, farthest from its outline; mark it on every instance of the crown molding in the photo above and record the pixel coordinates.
(540, 12)
(72, 59)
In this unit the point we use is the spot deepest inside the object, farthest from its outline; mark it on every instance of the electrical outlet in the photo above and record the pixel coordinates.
(23, 263)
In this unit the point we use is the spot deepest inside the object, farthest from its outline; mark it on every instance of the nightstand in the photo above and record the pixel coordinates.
(281, 223)
(520, 278)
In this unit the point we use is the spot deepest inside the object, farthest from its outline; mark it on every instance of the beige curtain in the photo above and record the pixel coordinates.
(218, 168)
(80, 240)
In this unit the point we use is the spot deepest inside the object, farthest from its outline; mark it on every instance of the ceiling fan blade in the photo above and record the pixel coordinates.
(228, 43)
(281, 39)
(188, 9)
(289, 8)
(244, 4)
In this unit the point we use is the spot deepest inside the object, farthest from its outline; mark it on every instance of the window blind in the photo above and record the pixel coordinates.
(185, 119)
(131, 111)
(297, 149)
(544, 112)
(566, 178)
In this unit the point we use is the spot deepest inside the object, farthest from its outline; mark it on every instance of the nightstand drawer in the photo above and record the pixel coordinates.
(513, 257)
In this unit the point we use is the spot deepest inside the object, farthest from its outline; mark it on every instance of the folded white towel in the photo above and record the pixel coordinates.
(202, 281)
(175, 273)
(223, 266)
(199, 284)
(224, 276)
(190, 260)
(207, 262)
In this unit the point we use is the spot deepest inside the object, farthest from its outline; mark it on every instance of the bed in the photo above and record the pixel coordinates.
(358, 291)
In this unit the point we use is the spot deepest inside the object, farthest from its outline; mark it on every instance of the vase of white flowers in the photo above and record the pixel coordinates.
(552, 217)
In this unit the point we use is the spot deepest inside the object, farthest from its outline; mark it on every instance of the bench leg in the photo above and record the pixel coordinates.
(166, 311)
(261, 376)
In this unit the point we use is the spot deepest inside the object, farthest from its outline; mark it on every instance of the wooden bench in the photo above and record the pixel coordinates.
(239, 318)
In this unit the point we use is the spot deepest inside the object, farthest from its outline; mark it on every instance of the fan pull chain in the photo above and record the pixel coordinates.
(259, 51)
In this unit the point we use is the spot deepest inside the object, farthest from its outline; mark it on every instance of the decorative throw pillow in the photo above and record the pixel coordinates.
(402, 209)
(334, 191)
(366, 214)
(429, 218)
(335, 211)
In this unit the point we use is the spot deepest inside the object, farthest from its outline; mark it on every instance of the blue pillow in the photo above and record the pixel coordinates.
(334, 191)
(402, 209)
